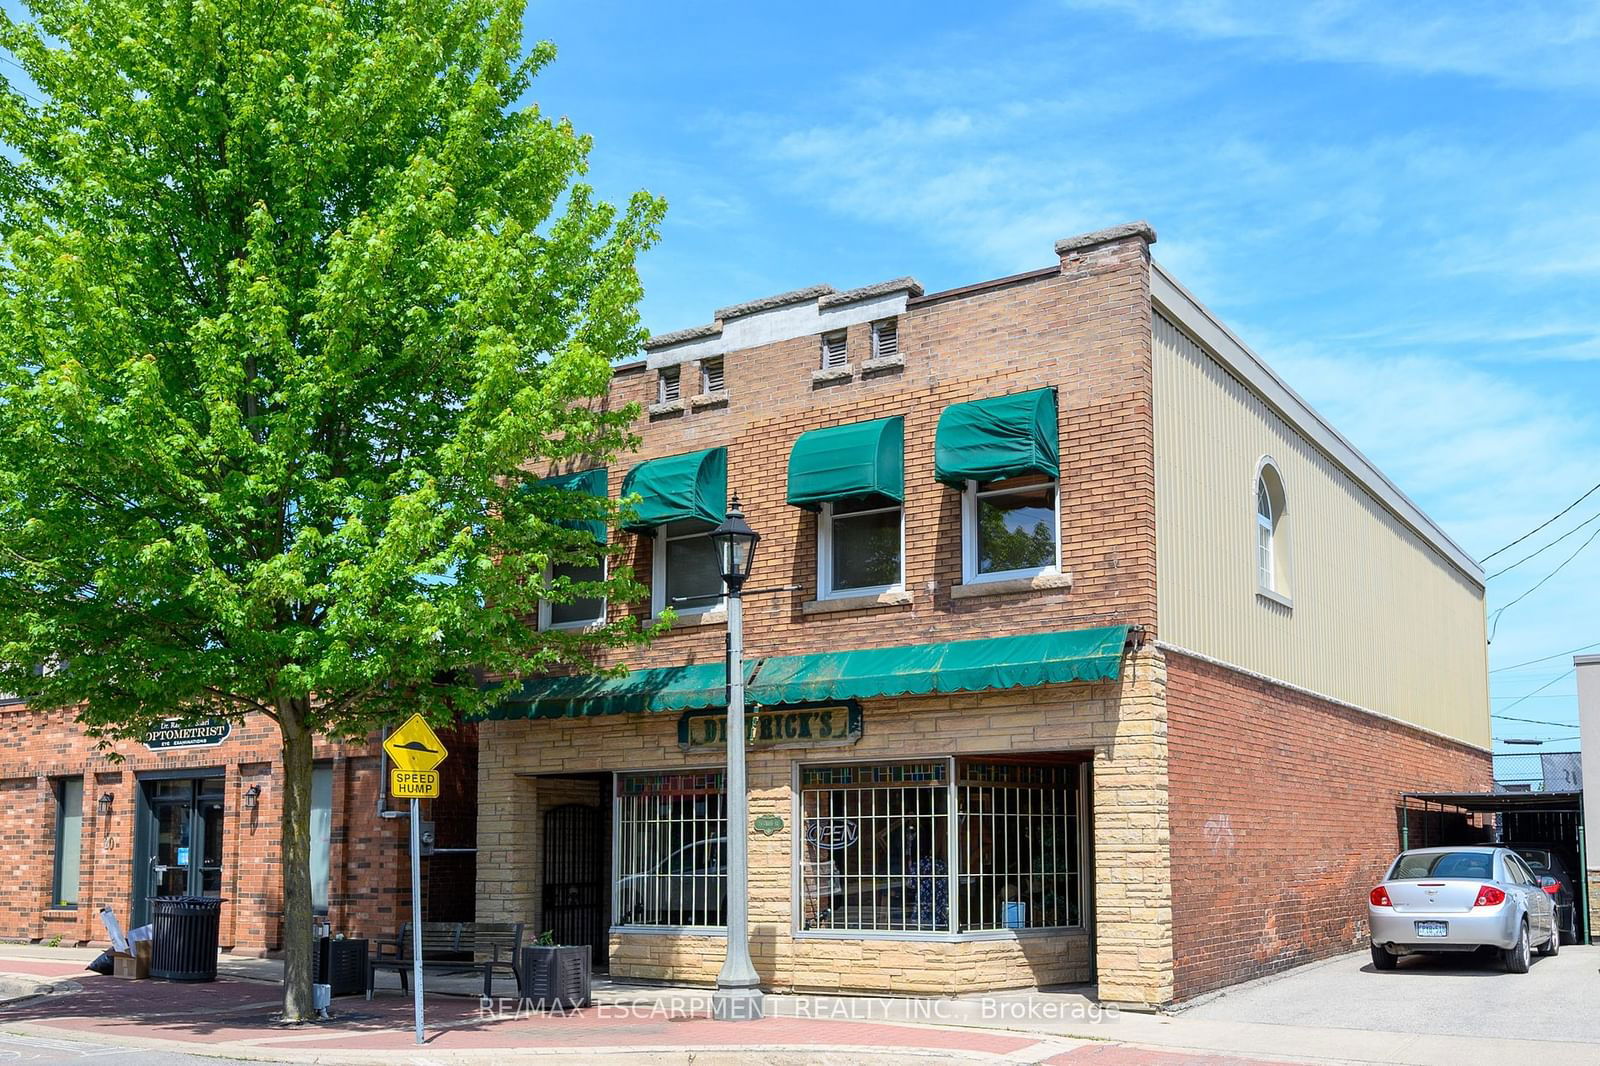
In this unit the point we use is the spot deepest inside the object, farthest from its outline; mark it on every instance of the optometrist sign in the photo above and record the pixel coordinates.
(823, 725)
(178, 734)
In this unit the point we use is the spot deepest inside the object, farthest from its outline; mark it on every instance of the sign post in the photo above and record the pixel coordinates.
(416, 750)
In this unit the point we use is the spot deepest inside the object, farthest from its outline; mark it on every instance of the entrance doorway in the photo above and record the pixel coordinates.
(178, 850)
(575, 862)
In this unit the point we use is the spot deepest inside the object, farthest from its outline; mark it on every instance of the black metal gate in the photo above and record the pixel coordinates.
(574, 877)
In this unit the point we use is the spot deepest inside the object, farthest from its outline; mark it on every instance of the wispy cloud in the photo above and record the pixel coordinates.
(1518, 44)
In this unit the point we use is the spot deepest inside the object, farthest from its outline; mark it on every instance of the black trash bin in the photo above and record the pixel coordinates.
(184, 938)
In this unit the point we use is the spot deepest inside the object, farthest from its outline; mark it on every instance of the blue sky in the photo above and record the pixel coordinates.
(1398, 206)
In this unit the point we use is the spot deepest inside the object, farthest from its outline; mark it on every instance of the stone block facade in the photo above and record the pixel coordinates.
(527, 767)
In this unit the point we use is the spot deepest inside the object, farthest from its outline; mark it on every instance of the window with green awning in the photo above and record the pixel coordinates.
(996, 438)
(864, 461)
(677, 488)
(590, 483)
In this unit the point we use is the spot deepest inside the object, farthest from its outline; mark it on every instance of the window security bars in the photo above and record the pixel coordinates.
(880, 853)
(671, 849)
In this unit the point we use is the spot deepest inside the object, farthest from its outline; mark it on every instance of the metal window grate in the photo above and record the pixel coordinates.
(711, 379)
(879, 852)
(671, 850)
(668, 382)
(1019, 831)
(886, 339)
(874, 841)
(834, 354)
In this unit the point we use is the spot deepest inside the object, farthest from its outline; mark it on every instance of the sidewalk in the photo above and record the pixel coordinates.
(631, 1023)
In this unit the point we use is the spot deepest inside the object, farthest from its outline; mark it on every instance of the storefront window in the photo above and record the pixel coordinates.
(672, 849)
(321, 833)
(877, 845)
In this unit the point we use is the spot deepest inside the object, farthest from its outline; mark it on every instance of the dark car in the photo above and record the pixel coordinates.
(1545, 859)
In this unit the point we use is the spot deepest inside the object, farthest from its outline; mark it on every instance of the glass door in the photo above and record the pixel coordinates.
(180, 851)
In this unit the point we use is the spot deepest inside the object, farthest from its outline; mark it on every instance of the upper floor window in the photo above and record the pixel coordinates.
(859, 548)
(711, 379)
(1010, 528)
(687, 572)
(1272, 534)
(667, 385)
(835, 356)
(576, 613)
(886, 339)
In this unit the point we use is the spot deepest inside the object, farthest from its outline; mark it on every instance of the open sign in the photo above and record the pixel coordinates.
(833, 835)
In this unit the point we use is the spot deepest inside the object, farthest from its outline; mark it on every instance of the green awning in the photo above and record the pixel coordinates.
(670, 688)
(861, 461)
(955, 666)
(589, 482)
(678, 487)
(997, 438)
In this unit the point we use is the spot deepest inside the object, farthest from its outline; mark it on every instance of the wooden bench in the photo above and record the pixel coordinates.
(452, 947)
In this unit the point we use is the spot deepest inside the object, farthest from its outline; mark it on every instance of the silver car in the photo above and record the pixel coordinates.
(1461, 899)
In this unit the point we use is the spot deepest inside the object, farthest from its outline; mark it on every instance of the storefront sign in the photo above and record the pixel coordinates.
(774, 727)
(768, 824)
(176, 734)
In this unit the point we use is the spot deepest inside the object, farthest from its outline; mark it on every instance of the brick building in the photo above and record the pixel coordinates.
(1085, 650)
(195, 810)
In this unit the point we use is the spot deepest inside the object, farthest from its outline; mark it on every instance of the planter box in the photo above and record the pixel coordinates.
(557, 977)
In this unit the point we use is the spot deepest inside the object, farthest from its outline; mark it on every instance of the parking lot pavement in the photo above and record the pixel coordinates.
(1454, 996)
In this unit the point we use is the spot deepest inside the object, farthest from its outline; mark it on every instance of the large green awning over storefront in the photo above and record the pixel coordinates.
(591, 483)
(996, 438)
(861, 461)
(916, 669)
(678, 487)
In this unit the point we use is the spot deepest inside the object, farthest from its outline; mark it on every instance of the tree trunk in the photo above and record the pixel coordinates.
(296, 860)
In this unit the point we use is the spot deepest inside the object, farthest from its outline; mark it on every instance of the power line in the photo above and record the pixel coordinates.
(1544, 549)
(1496, 626)
(1535, 692)
(1531, 721)
(1541, 525)
(1547, 658)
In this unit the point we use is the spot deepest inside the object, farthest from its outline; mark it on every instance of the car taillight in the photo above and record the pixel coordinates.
(1380, 897)
(1489, 896)
(1553, 890)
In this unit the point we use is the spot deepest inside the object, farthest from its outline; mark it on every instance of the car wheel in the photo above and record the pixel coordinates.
(1553, 946)
(1517, 956)
(1383, 959)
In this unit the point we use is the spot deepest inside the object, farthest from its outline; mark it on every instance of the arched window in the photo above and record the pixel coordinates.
(1272, 540)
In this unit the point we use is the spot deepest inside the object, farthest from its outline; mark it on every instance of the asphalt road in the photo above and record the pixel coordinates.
(29, 1049)
(1441, 995)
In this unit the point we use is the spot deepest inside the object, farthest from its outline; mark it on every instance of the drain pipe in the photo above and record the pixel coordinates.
(383, 786)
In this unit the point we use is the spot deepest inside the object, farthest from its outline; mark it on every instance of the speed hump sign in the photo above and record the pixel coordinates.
(416, 750)
(414, 784)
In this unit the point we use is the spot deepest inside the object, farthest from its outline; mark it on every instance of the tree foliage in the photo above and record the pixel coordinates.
(291, 293)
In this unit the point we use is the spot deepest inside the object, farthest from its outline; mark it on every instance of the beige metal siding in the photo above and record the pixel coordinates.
(1379, 618)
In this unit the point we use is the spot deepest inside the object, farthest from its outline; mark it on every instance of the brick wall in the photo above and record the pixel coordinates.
(1120, 724)
(369, 886)
(1283, 817)
(1084, 329)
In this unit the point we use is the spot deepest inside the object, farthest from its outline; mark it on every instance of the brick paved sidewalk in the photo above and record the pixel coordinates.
(234, 1018)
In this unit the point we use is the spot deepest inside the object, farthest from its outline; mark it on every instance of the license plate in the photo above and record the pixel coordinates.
(1433, 928)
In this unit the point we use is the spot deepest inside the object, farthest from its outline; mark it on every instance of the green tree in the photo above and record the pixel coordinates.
(291, 291)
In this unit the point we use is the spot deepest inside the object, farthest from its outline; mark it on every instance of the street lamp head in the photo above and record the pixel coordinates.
(736, 546)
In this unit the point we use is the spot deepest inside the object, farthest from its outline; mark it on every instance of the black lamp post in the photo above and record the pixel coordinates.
(738, 995)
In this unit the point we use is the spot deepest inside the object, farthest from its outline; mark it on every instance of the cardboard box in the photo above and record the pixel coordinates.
(133, 967)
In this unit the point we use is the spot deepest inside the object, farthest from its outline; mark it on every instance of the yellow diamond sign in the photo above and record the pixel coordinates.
(414, 746)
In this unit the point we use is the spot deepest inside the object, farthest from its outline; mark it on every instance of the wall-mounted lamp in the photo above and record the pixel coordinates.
(104, 803)
(252, 796)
